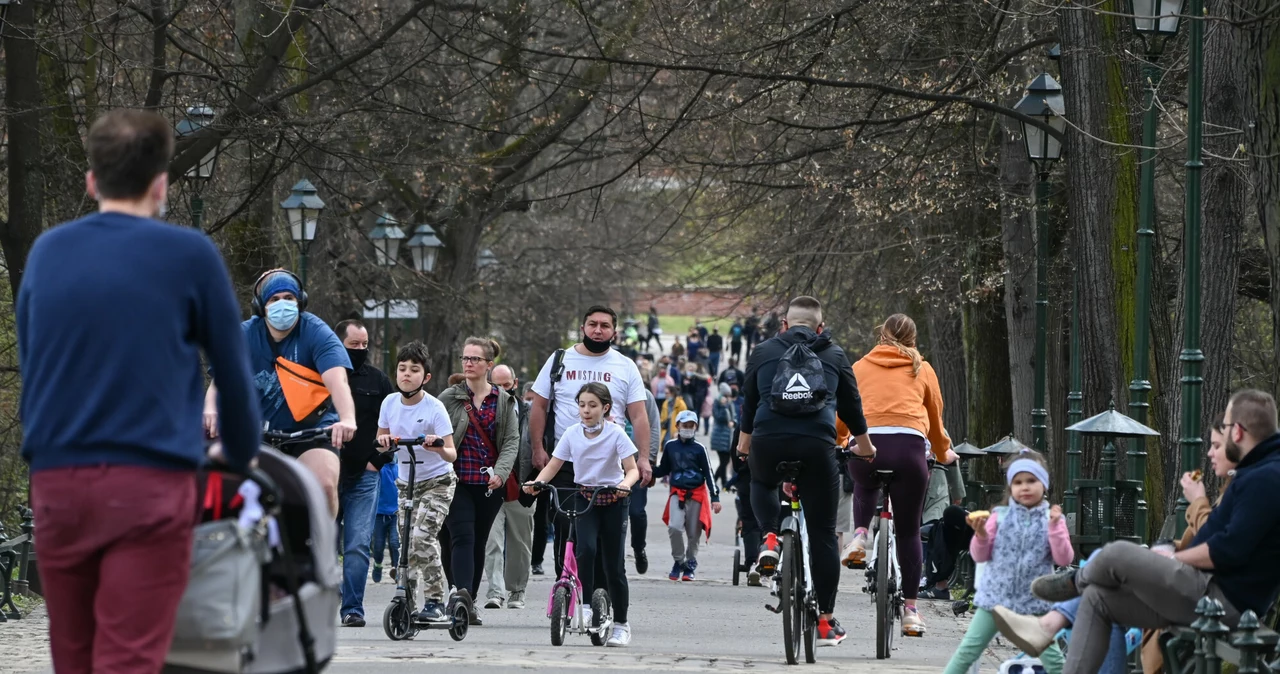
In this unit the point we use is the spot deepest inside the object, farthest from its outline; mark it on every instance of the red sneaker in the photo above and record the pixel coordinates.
(830, 633)
(767, 562)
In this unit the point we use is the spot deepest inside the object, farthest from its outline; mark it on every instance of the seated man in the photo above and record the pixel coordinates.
(1235, 557)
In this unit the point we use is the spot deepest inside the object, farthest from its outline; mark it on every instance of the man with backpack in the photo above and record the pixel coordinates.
(796, 384)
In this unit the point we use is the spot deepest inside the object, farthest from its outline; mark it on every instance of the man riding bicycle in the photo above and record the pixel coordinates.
(300, 368)
(769, 437)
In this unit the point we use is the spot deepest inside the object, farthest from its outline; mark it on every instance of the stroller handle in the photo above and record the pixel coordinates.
(573, 514)
(270, 497)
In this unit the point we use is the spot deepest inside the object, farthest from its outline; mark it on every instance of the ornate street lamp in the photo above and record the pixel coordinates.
(1044, 103)
(198, 175)
(486, 259)
(1155, 21)
(386, 237)
(302, 210)
(425, 247)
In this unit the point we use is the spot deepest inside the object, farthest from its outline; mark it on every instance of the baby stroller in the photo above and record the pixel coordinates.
(263, 594)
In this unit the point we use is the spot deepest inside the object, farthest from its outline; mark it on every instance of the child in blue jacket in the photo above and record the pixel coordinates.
(694, 495)
(386, 532)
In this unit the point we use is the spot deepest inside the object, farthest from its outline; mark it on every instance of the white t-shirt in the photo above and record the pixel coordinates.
(610, 368)
(428, 417)
(597, 462)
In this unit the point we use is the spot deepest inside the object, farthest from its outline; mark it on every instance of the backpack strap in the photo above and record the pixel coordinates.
(549, 431)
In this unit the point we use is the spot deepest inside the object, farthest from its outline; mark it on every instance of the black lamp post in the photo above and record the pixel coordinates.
(198, 175)
(1043, 102)
(1155, 21)
(386, 237)
(302, 209)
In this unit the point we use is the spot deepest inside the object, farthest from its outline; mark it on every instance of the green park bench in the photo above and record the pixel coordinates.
(1207, 643)
(17, 554)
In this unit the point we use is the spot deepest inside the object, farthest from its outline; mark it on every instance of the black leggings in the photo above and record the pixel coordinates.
(819, 485)
(722, 470)
(541, 516)
(603, 531)
(470, 518)
(904, 454)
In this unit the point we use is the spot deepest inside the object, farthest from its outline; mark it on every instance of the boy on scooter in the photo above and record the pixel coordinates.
(408, 414)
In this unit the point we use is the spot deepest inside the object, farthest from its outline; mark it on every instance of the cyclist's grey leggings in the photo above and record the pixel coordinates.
(819, 485)
(902, 453)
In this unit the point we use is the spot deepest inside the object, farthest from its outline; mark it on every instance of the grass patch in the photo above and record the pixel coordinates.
(679, 325)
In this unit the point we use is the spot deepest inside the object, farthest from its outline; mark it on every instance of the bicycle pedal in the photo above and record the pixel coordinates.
(775, 610)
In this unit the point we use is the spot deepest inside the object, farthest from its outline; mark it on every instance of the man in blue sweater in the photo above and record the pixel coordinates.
(1234, 558)
(129, 303)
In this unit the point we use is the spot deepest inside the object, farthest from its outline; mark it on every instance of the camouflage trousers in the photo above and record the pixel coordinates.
(431, 499)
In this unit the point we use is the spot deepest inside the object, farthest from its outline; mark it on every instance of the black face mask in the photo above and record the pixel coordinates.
(593, 346)
(358, 358)
(408, 394)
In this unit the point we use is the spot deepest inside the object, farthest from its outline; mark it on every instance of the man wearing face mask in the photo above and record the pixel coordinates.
(359, 477)
(591, 360)
(283, 336)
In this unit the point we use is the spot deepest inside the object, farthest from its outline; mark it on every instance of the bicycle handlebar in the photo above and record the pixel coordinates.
(278, 438)
(557, 504)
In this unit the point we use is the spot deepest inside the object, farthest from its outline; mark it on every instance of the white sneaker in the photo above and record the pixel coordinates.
(586, 615)
(494, 602)
(516, 600)
(621, 635)
(855, 554)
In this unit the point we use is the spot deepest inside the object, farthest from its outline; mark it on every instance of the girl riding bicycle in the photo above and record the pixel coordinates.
(602, 455)
(1020, 540)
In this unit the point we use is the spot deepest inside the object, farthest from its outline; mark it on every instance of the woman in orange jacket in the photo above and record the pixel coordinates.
(903, 405)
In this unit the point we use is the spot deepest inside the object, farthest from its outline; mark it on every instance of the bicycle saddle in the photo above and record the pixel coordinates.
(790, 469)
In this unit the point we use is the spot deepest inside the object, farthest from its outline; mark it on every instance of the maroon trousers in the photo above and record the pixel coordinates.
(114, 553)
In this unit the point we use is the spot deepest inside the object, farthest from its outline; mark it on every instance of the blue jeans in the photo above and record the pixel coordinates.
(713, 364)
(357, 504)
(386, 534)
(1115, 662)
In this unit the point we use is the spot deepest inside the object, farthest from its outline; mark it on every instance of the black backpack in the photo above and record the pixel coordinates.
(799, 386)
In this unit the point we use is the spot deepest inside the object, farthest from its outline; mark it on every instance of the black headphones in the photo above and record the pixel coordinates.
(256, 304)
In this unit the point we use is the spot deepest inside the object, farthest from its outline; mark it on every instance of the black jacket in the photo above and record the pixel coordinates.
(1243, 532)
(715, 343)
(369, 387)
(759, 419)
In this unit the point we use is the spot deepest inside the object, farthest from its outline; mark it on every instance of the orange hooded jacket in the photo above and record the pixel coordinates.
(891, 396)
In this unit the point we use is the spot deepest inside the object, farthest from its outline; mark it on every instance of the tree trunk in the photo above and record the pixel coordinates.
(26, 172)
(946, 354)
(1102, 202)
(1017, 233)
(1261, 59)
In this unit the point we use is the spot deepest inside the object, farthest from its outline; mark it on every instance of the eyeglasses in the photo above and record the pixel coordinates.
(474, 360)
(1222, 426)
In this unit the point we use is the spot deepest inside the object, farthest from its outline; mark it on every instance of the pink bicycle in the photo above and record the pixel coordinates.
(566, 594)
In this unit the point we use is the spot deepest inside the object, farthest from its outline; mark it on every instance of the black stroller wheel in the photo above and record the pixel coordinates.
(397, 621)
(461, 619)
(737, 566)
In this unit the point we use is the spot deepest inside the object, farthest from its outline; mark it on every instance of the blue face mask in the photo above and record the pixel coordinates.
(283, 314)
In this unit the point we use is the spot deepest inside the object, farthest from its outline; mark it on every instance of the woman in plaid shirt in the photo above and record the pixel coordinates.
(484, 419)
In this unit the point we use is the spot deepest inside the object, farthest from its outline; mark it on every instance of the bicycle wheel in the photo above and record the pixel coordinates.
(559, 615)
(790, 596)
(884, 610)
(737, 566)
(810, 627)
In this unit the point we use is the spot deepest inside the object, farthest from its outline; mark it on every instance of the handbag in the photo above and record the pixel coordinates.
(304, 389)
(511, 490)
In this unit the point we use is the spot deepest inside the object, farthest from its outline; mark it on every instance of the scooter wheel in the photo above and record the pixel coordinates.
(461, 621)
(397, 621)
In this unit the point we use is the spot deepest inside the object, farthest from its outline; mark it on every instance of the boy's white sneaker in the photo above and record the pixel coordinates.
(586, 615)
(621, 635)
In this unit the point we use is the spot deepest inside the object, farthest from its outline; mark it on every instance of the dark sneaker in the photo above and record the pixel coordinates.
(352, 620)
(476, 620)
(642, 562)
(1056, 587)
(537, 570)
(377, 573)
(933, 592)
(676, 570)
(433, 612)
(393, 573)
(767, 562)
(830, 633)
(689, 568)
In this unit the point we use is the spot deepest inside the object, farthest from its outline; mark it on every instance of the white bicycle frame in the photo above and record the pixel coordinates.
(893, 549)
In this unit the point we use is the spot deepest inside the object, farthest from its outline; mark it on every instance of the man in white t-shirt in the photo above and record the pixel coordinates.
(588, 361)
